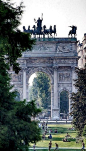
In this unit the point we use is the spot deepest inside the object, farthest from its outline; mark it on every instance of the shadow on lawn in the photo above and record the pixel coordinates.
(60, 139)
(61, 130)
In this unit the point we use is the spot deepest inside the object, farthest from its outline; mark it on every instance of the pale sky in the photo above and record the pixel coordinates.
(62, 13)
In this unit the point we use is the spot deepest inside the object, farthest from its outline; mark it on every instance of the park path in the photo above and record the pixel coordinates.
(59, 148)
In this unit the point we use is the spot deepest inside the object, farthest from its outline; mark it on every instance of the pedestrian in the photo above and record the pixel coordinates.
(83, 146)
(34, 147)
(50, 145)
(56, 147)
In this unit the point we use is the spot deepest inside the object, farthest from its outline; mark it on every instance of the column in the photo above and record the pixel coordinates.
(74, 76)
(55, 109)
(55, 89)
(24, 83)
(52, 98)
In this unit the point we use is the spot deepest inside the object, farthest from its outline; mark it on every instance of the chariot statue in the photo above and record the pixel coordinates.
(39, 30)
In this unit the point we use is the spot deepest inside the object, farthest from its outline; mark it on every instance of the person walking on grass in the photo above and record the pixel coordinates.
(34, 147)
(56, 147)
(50, 145)
(83, 146)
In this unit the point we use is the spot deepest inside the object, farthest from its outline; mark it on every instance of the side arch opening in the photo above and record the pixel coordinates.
(64, 104)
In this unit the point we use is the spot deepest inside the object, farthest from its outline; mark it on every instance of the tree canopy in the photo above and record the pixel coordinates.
(41, 90)
(16, 125)
(12, 41)
(79, 101)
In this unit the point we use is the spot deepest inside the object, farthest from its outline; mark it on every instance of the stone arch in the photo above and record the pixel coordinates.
(45, 70)
(57, 58)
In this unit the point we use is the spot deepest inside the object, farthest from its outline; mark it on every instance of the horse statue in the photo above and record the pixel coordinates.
(53, 30)
(46, 31)
(73, 31)
(36, 31)
(30, 31)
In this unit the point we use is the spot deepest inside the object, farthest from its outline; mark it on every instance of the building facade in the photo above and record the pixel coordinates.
(57, 57)
(81, 49)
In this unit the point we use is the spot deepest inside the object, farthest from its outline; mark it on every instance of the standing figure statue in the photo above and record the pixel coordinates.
(39, 24)
(73, 31)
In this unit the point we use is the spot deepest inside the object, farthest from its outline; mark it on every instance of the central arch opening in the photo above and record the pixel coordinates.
(64, 104)
(40, 90)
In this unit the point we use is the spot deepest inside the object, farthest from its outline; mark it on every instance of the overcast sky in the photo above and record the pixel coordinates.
(62, 13)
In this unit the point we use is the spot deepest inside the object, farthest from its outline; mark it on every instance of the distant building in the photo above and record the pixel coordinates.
(82, 52)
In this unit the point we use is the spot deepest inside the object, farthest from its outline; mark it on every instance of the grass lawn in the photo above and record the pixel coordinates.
(62, 129)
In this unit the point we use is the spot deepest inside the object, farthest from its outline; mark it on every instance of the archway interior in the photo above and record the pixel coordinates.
(64, 104)
(40, 91)
(17, 98)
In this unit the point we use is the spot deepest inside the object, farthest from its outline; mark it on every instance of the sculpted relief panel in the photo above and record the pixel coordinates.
(44, 47)
(62, 61)
(64, 77)
(65, 47)
(16, 78)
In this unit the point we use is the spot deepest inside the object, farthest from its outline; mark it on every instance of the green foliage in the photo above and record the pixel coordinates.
(41, 90)
(15, 117)
(64, 102)
(12, 41)
(79, 101)
(84, 131)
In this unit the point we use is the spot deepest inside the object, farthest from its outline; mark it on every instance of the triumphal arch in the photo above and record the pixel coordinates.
(57, 57)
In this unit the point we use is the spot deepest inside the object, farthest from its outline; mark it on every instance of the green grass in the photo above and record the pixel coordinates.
(57, 138)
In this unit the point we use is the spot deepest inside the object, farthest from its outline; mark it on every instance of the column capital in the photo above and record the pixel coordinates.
(55, 67)
(24, 68)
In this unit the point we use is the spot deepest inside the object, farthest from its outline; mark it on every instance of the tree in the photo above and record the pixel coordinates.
(41, 90)
(64, 102)
(15, 117)
(12, 41)
(79, 101)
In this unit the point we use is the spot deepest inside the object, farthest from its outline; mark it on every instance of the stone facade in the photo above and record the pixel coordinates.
(57, 57)
(82, 52)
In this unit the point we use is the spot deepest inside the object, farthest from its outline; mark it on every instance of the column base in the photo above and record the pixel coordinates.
(55, 114)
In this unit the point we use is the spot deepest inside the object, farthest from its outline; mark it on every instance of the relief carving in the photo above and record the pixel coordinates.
(62, 61)
(63, 48)
(44, 47)
(64, 77)
(16, 78)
